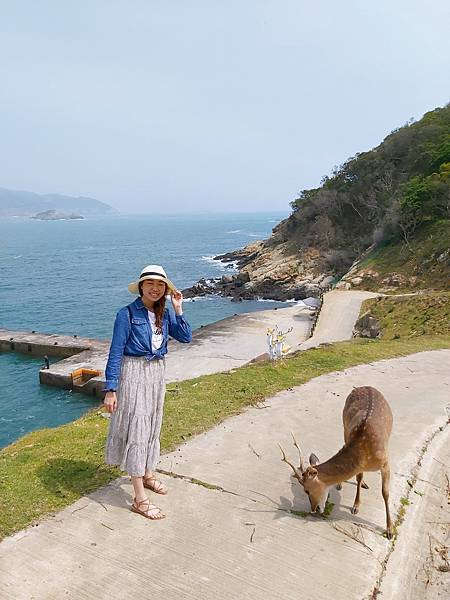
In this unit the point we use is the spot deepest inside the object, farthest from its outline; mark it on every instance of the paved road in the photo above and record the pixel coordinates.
(234, 341)
(234, 537)
(340, 310)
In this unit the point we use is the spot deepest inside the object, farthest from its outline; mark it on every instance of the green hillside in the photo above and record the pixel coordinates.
(410, 316)
(423, 263)
(390, 198)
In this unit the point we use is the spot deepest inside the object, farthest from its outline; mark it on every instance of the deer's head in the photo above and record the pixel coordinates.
(308, 477)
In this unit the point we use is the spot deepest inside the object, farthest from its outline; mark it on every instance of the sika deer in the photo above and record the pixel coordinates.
(367, 421)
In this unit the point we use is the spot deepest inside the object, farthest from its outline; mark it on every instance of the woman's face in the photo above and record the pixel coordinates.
(153, 290)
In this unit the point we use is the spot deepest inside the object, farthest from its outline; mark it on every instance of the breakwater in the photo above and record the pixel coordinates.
(82, 363)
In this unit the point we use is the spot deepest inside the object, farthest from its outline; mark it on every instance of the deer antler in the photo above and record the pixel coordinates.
(285, 332)
(284, 459)
(302, 468)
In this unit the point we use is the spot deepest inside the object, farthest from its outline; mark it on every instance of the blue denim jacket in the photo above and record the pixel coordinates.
(133, 337)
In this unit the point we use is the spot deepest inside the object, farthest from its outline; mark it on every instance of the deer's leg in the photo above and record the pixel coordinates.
(385, 478)
(339, 485)
(357, 501)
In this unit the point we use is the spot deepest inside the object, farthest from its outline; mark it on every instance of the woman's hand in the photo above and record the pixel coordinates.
(110, 401)
(177, 301)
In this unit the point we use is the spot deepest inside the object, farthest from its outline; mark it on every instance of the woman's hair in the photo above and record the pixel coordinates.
(158, 308)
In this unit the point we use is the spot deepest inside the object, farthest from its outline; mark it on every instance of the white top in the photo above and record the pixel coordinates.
(157, 338)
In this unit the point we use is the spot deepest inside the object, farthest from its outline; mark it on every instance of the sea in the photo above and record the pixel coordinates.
(71, 277)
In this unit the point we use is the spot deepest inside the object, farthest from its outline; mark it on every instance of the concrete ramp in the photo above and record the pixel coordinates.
(337, 317)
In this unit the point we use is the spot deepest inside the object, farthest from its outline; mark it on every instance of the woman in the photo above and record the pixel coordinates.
(135, 385)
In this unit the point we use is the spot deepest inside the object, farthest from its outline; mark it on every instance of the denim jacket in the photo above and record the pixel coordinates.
(132, 336)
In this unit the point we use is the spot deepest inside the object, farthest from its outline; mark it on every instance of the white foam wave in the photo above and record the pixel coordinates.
(221, 265)
(210, 259)
(290, 301)
(207, 298)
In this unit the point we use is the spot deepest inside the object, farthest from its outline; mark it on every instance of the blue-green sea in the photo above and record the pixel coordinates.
(71, 277)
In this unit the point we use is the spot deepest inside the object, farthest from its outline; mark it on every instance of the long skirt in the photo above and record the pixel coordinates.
(134, 429)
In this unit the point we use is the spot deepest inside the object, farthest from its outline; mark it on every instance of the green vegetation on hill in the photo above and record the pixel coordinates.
(49, 469)
(423, 263)
(411, 316)
(386, 194)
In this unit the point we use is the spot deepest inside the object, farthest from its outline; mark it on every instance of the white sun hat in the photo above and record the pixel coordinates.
(151, 272)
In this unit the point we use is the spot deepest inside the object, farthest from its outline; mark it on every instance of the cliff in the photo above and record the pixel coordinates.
(387, 197)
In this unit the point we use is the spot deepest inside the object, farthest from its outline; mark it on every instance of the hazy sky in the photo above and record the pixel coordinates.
(182, 105)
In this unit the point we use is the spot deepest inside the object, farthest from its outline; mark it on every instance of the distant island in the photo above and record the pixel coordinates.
(54, 215)
(15, 203)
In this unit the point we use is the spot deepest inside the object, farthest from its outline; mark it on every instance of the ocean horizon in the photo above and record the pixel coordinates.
(71, 277)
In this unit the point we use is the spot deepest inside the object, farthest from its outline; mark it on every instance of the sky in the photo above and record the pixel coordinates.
(205, 105)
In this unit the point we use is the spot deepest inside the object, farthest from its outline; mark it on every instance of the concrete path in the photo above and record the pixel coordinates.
(229, 531)
(234, 341)
(338, 315)
(419, 569)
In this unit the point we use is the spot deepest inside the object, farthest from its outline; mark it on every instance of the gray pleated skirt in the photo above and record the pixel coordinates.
(134, 429)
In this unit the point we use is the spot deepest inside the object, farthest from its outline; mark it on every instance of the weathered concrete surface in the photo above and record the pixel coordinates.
(234, 341)
(419, 569)
(338, 315)
(38, 344)
(242, 541)
(75, 353)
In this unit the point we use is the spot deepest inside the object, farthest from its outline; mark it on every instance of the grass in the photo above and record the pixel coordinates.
(328, 509)
(421, 264)
(411, 316)
(51, 468)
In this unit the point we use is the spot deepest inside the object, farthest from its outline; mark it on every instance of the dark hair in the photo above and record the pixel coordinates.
(158, 308)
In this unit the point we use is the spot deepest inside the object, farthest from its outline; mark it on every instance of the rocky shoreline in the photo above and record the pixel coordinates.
(265, 272)
(54, 215)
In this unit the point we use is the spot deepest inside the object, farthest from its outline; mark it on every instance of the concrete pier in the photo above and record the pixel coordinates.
(81, 358)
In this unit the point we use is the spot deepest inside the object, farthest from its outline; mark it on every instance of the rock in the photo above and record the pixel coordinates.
(394, 280)
(367, 326)
(227, 279)
(243, 277)
(343, 285)
(326, 282)
(203, 287)
(313, 290)
(319, 278)
(356, 280)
